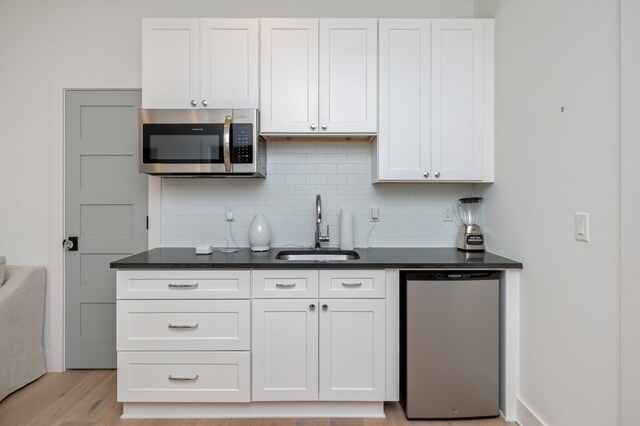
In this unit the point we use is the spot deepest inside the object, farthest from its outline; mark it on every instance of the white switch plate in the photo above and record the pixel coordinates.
(229, 214)
(582, 227)
(447, 215)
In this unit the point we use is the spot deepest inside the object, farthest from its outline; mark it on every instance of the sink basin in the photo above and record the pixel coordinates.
(318, 255)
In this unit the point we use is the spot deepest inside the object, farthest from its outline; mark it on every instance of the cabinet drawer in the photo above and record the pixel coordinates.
(351, 283)
(155, 325)
(284, 284)
(184, 377)
(170, 284)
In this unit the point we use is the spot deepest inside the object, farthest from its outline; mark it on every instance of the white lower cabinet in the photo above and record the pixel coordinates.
(352, 350)
(285, 350)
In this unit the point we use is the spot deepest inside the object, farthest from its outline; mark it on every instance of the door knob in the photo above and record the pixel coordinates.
(437, 174)
(426, 174)
(70, 244)
(324, 127)
(313, 126)
(204, 103)
(325, 307)
(312, 307)
(194, 103)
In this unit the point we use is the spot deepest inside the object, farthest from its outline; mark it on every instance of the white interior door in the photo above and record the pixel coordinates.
(106, 209)
(457, 99)
(404, 137)
(229, 62)
(170, 63)
(289, 75)
(348, 75)
(352, 350)
(285, 350)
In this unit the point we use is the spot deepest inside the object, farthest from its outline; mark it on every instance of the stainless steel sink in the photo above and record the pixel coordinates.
(318, 255)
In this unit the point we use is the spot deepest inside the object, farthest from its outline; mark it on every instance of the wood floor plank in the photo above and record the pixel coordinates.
(88, 397)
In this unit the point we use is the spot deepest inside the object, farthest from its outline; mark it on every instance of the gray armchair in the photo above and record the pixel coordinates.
(21, 326)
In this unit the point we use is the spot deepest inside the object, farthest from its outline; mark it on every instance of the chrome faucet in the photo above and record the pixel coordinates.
(319, 237)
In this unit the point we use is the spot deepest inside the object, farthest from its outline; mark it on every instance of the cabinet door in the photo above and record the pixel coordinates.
(285, 350)
(457, 99)
(170, 63)
(352, 350)
(404, 138)
(348, 75)
(229, 63)
(289, 75)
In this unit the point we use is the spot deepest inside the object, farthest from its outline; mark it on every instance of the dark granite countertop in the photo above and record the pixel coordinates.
(371, 258)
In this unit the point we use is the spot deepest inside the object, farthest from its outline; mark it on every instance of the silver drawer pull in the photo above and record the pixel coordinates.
(184, 325)
(183, 379)
(285, 284)
(351, 284)
(173, 285)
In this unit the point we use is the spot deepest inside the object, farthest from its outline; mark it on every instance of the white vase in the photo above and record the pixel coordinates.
(259, 233)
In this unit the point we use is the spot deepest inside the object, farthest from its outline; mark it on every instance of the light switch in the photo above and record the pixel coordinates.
(582, 227)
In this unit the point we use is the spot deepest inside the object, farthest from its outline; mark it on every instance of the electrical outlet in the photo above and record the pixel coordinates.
(447, 214)
(229, 214)
(374, 214)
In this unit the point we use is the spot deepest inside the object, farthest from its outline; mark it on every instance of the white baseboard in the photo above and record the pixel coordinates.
(315, 409)
(525, 416)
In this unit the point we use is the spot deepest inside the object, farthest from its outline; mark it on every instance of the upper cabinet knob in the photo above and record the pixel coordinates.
(194, 103)
(324, 127)
(426, 174)
(313, 126)
(205, 103)
(437, 174)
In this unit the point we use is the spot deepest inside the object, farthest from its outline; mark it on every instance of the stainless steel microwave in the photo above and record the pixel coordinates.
(202, 143)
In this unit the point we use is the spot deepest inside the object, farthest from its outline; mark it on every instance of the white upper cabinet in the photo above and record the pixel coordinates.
(318, 76)
(289, 75)
(348, 75)
(436, 101)
(229, 62)
(200, 63)
(459, 93)
(404, 136)
(170, 62)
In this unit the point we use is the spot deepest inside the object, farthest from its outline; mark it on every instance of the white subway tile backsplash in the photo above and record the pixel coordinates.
(410, 214)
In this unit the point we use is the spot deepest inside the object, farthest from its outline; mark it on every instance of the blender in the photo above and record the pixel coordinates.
(467, 211)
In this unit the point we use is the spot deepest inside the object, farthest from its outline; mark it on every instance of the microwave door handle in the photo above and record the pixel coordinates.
(226, 143)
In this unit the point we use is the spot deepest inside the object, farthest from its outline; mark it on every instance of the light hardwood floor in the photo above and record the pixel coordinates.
(83, 397)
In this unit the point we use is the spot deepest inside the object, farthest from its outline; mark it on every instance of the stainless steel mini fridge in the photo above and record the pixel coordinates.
(449, 328)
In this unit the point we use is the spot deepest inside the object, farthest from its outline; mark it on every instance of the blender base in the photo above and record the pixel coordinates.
(470, 238)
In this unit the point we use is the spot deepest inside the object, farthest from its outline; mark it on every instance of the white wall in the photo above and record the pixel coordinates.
(410, 214)
(630, 225)
(549, 165)
(44, 40)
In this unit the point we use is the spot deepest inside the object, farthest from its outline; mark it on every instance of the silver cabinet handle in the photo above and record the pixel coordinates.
(285, 284)
(426, 174)
(226, 144)
(437, 174)
(204, 103)
(313, 126)
(325, 307)
(174, 285)
(324, 127)
(312, 307)
(351, 284)
(194, 103)
(183, 379)
(188, 326)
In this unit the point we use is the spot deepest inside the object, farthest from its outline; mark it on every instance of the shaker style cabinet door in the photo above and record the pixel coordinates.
(289, 75)
(285, 350)
(460, 88)
(348, 75)
(229, 63)
(352, 350)
(170, 63)
(404, 136)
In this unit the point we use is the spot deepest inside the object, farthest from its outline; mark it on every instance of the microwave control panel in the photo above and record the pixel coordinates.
(242, 143)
